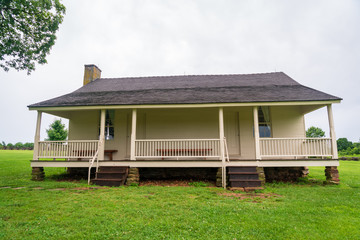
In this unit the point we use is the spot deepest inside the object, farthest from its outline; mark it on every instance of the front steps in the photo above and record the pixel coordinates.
(111, 176)
(244, 178)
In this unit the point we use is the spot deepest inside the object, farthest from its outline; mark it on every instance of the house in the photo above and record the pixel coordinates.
(240, 126)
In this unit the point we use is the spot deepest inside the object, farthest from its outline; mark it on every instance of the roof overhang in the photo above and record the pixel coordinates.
(202, 105)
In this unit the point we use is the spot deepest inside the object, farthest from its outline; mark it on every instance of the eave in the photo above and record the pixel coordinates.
(203, 105)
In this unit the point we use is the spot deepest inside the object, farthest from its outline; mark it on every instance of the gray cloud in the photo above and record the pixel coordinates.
(314, 42)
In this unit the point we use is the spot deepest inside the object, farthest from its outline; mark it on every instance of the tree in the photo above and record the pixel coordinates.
(314, 132)
(56, 131)
(19, 145)
(29, 146)
(27, 32)
(10, 146)
(343, 144)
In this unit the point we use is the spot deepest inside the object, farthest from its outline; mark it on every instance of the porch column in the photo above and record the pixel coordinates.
(37, 136)
(221, 133)
(256, 133)
(102, 135)
(133, 134)
(332, 132)
(222, 146)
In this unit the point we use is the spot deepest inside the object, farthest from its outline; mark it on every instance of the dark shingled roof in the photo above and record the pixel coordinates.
(237, 88)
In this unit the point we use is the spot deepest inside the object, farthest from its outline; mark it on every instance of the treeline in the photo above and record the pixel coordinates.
(346, 147)
(16, 146)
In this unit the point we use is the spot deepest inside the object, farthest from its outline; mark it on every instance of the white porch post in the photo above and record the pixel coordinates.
(37, 136)
(256, 133)
(332, 132)
(102, 135)
(221, 133)
(133, 134)
(222, 146)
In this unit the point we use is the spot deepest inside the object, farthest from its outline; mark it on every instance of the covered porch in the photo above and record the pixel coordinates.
(223, 135)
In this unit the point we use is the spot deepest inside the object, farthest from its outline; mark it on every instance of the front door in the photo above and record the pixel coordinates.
(232, 133)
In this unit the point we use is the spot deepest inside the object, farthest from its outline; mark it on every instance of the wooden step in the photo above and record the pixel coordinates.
(112, 169)
(111, 176)
(245, 176)
(242, 169)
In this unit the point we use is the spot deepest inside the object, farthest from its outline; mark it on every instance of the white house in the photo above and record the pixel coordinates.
(227, 122)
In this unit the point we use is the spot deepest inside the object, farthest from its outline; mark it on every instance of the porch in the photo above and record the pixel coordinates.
(218, 134)
(217, 137)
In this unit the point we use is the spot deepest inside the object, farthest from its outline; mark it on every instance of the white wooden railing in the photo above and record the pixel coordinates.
(295, 147)
(68, 149)
(91, 163)
(177, 148)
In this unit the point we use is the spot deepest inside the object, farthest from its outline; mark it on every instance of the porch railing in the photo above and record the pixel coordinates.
(177, 148)
(68, 149)
(295, 147)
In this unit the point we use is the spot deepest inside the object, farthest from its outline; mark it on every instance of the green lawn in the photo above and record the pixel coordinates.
(307, 210)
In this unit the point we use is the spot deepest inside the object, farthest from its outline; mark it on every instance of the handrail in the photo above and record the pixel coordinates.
(92, 163)
(226, 151)
(66, 141)
(293, 138)
(93, 160)
(177, 139)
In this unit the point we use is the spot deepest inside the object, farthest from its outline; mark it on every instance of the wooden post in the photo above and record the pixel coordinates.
(221, 133)
(332, 132)
(102, 135)
(256, 133)
(133, 134)
(222, 145)
(37, 136)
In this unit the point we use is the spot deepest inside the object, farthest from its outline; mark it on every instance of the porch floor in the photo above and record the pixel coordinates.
(192, 163)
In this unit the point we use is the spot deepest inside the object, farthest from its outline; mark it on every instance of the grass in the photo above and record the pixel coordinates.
(306, 210)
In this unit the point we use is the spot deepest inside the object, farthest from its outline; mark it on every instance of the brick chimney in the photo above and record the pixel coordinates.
(91, 73)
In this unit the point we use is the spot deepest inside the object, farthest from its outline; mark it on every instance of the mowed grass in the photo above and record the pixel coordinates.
(306, 210)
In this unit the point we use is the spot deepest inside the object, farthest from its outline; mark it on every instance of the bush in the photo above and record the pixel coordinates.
(344, 144)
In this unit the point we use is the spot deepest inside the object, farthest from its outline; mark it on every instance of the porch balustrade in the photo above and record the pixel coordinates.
(295, 147)
(189, 148)
(68, 149)
(177, 148)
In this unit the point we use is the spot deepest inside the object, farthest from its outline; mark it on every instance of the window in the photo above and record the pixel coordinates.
(264, 122)
(109, 124)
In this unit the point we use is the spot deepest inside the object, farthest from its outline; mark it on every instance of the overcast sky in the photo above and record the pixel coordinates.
(317, 43)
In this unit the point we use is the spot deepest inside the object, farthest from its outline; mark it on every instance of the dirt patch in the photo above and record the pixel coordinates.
(57, 189)
(250, 196)
(87, 188)
(177, 183)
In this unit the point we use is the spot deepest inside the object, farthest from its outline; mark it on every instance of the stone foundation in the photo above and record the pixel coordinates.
(285, 174)
(260, 171)
(133, 177)
(37, 174)
(332, 175)
(219, 177)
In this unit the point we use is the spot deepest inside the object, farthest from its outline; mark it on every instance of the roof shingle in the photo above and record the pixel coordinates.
(240, 88)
